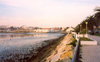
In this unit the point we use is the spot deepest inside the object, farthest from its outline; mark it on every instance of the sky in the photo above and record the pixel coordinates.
(46, 13)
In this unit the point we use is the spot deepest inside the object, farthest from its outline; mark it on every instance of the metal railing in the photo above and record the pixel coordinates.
(76, 52)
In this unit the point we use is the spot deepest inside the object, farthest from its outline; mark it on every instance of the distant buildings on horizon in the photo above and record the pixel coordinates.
(24, 29)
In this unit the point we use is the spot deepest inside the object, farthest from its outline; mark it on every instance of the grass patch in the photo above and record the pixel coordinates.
(85, 39)
(60, 61)
(80, 60)
(73, 42)
(70, 57)
(97, 34)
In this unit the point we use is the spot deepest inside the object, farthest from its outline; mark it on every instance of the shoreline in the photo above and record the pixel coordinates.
(46, 51)
(57, 50)
(35, 32)
(25, 51)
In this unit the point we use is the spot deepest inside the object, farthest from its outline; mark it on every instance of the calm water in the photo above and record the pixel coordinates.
(18, 47)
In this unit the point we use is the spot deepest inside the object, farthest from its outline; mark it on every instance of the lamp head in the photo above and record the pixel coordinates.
(86, 22)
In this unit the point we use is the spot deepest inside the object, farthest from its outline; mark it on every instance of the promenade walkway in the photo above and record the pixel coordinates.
(91, 53)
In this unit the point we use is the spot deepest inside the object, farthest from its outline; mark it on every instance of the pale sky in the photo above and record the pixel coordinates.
(45, 13)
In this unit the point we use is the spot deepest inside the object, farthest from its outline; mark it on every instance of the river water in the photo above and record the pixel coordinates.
(18, 47)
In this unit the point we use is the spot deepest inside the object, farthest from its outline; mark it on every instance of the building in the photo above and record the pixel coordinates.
(70, 29)
(46, 30)
(42, 30)
(23, 27)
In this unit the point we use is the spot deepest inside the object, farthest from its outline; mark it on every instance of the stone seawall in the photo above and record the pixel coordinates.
(64, 51)
(57, 50)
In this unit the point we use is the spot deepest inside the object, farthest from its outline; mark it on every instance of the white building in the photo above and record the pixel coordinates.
(46, 30)
(8, 30)
(41, 30)
(24, 27)
(70, 29)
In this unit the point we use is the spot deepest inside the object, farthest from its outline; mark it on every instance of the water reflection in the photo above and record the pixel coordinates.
(22, 35)
(19, 47)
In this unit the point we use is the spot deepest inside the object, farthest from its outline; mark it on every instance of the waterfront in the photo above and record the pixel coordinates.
(16, 47)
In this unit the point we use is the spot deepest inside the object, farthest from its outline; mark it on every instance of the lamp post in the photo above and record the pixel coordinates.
(86, 29)
(80, 28)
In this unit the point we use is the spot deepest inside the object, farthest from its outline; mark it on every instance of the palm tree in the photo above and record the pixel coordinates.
(77, 28)
(93, 20)
(91, 23)
(97, 15)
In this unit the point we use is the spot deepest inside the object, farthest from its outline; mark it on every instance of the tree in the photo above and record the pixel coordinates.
(97, 15)
(83, 31)
(66, 28)
(77, 28)
(93, 20)
(13, 28)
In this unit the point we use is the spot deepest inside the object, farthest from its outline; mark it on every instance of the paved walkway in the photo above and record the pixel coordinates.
(91, 53)
(97, 38)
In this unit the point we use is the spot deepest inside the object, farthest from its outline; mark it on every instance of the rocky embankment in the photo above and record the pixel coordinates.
(64, 51)
(57, 51)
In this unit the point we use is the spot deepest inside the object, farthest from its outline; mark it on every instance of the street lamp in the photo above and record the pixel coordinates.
(86, 29)
(80, 27)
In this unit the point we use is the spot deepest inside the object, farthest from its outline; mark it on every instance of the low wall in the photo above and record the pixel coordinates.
(81, 35)
(84, 42)
(88, 42)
